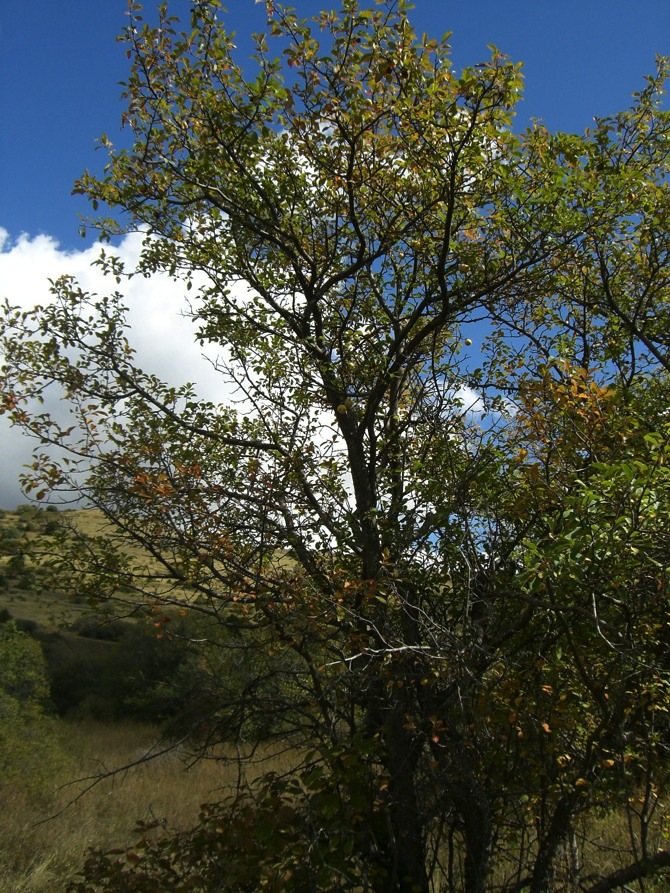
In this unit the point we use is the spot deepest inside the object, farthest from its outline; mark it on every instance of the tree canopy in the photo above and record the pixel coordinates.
(438, 499)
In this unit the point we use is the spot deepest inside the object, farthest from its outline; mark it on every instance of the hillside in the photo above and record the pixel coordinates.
(106, 660)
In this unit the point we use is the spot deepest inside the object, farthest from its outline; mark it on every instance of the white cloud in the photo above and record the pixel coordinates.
(162, 336)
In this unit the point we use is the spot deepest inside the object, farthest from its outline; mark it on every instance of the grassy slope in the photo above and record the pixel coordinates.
(39, 858)
(53, 611)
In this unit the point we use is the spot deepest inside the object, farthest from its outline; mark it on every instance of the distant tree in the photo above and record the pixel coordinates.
(22, 670)
(440, 506)
(29, 747)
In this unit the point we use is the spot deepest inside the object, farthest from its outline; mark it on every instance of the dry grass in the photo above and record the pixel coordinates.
(49, 610)
(37, 856)
(56, 611)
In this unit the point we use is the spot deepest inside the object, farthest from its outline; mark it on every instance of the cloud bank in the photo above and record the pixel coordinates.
(163, 338)
(160, 334)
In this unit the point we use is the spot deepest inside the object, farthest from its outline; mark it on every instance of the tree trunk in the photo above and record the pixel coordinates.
(473, 807)
(407, 850)
(559, 830)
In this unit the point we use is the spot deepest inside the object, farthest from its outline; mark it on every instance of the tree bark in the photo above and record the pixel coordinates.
(407, 857)
(559, 829)
(644, 867)
(472, 805)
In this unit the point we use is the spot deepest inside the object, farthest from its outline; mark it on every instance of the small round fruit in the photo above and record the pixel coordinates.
(468, 342)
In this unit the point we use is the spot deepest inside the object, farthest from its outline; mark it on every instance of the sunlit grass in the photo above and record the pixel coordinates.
(43, 841)
(93, 801)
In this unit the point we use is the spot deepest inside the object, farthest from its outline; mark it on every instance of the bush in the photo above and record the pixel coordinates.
(117, 670)
(29, 752)
(10, 533)
(93, 627)
(26, 509)
(26, 625)
(23, 674)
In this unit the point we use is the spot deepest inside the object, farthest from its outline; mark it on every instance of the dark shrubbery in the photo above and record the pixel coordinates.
(29, 750)
(26, 625)
(192, 684)
(114, 671)
(105, 630)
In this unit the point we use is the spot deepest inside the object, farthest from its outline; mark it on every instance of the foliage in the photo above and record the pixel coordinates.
(114, 671)
(315, 830)
(455, 556)
(22, 672)
(17, 532)
(29, 745)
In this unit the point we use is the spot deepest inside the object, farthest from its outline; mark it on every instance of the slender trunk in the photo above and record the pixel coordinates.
(558, 833)
(407, 852)
(473, 808)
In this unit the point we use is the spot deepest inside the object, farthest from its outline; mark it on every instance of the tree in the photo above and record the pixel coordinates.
(30, 750)
(452, 555)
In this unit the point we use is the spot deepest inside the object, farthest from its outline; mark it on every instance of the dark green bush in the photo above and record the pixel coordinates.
(29, 748)
(94, 627)
(117, 670)
(26, 625)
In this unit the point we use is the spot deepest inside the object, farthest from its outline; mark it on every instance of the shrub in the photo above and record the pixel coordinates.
(29, 749)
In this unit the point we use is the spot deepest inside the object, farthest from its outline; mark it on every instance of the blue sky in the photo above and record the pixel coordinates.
(60, 68)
